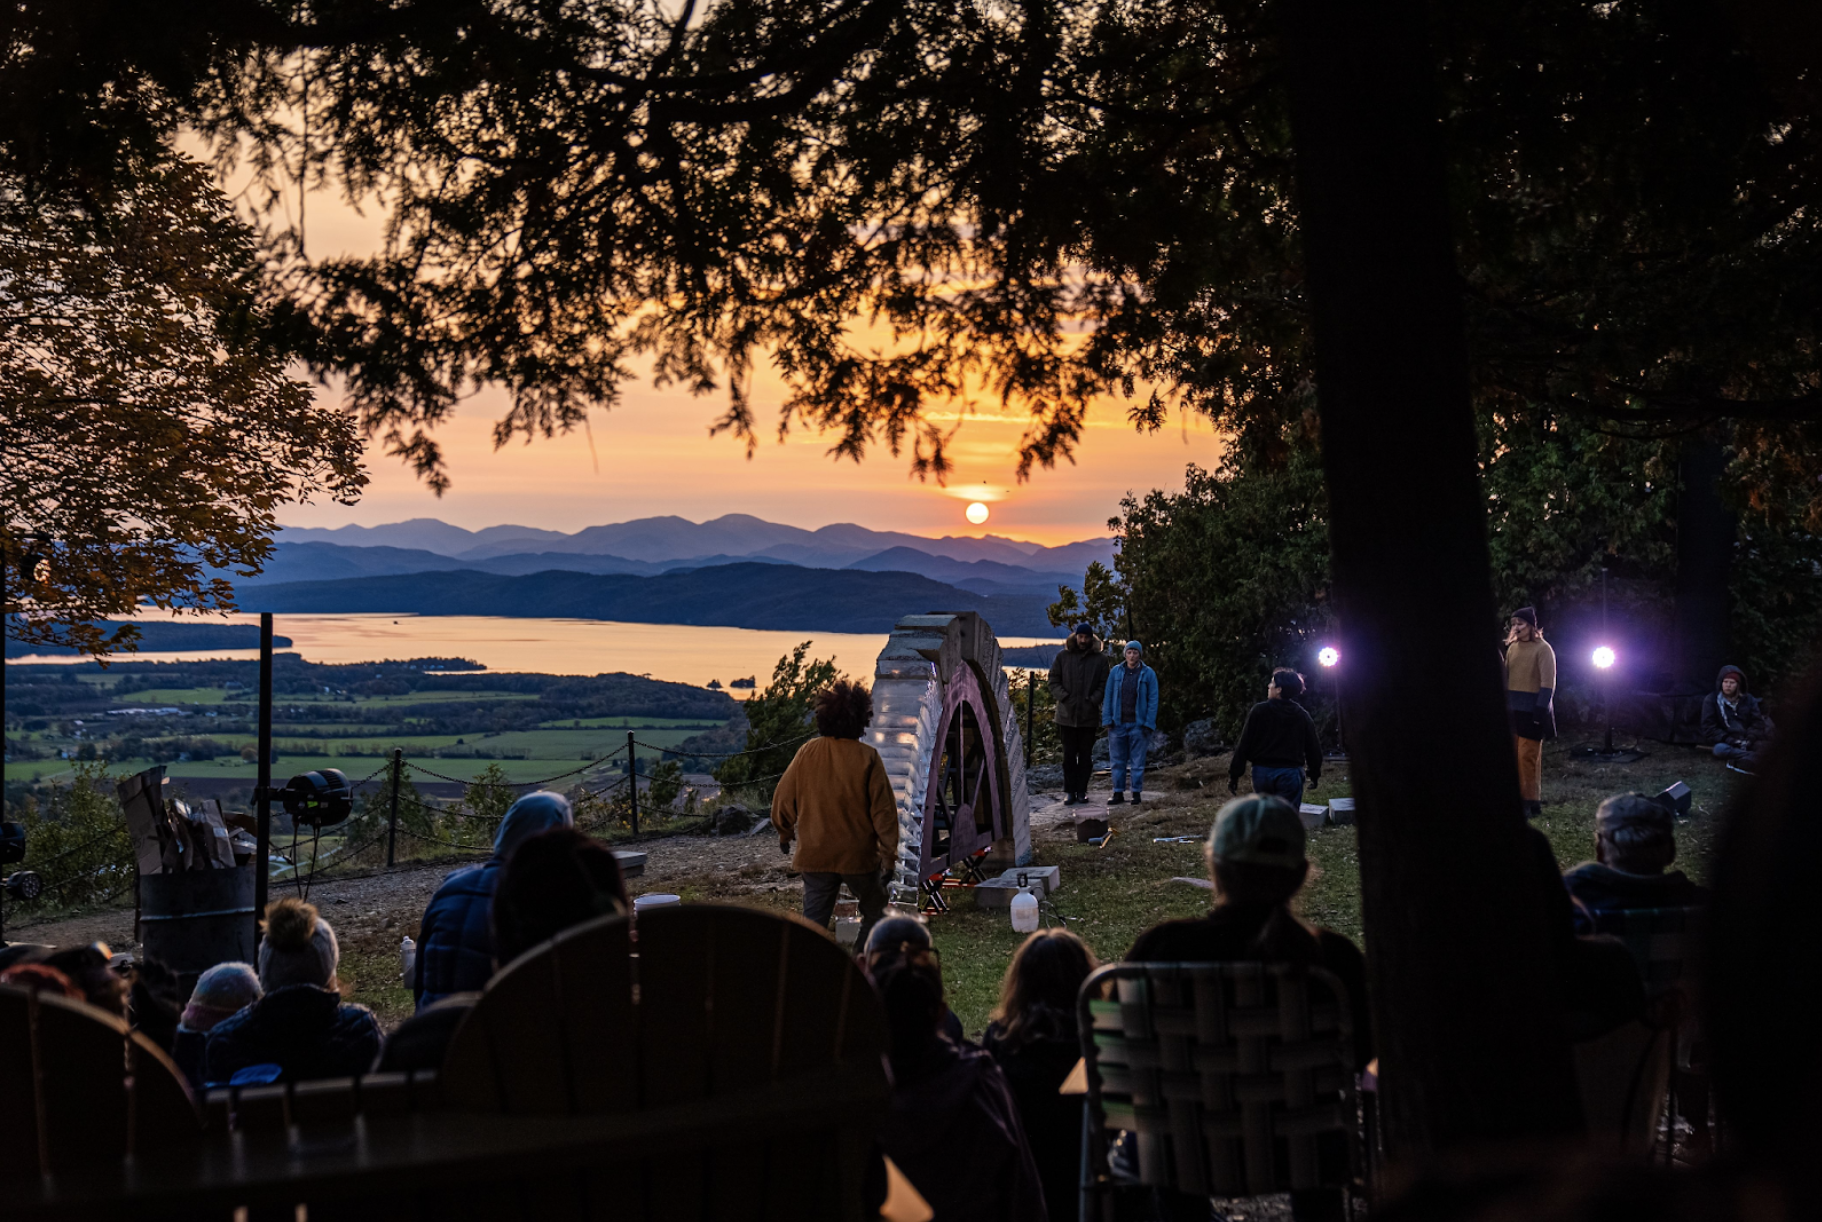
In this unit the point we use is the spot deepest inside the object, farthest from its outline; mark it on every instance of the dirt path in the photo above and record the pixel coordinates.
(372, 913)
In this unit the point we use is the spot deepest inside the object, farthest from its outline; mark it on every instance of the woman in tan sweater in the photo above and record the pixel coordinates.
(836, 803)
(1530, 700)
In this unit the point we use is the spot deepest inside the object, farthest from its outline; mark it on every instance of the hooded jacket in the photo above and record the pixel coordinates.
(455, 942)
(306, 1031)
(1078, 680)
(953, 1129)
(1146, 711)
(1744, 723)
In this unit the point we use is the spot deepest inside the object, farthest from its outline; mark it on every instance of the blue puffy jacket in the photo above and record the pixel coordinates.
(1146, 712)
(455, 944)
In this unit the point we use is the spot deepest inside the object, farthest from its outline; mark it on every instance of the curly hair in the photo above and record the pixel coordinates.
(843, 709)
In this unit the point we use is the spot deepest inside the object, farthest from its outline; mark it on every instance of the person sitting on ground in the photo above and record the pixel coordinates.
(1078, 683)
(1634, 846)
(1129, 710)
(1256, 861)
(221, 992)
(1279, 741)
(1733, 719)
(300, 1029)
(951, 1125)
(455, 940)
(836, 803)
(554, 880)
(1033, 1039)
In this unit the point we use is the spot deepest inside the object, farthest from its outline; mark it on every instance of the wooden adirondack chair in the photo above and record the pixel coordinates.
(731, 1069)
(78, 1088)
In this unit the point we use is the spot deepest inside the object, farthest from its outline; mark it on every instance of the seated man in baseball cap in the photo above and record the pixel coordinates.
(1256, 861)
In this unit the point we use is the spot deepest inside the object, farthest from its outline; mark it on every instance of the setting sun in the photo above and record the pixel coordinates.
(977, 513)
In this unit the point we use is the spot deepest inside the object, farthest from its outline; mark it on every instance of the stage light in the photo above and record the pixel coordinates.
(1604, 657)
(1329, 655)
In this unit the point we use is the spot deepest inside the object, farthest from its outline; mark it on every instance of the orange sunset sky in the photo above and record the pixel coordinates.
(652, 455)
(655, 457)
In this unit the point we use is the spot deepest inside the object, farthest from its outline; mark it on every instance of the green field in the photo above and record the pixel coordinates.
(220, 695)
(627, 723)
(517, 771)
(186, 695)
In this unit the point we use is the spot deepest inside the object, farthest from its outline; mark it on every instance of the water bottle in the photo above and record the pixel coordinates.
(1024, 911)
(408, 961)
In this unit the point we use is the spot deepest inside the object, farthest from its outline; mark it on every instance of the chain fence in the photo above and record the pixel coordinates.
(610, 809)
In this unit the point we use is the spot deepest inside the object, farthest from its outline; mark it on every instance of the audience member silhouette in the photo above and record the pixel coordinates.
(553, 880)
(1256, 861)
(155, 1001)
(1033, 1039)
(1600, 984)
(221, 992)
(1255, 855)
(300, 1029)
(951, 1126)
(1634, 845)
(92, 969)
(1758, 1019)
(41, 978)
(455, 940)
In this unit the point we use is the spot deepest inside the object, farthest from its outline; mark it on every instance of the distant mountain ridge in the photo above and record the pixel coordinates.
(751, 594)
(671, 541)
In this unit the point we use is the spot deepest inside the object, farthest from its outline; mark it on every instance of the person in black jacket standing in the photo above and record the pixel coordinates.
(1279, 741)
(1078, 677)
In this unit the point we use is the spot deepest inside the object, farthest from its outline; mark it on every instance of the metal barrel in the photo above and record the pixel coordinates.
(192, 920)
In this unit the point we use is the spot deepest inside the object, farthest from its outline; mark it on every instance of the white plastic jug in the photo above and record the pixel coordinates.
(1024, 911)
(408, 961)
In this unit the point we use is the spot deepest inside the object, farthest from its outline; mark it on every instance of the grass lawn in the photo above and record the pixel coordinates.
(1110, 895)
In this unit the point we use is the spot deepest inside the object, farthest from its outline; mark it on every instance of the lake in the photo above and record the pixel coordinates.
(679, 653)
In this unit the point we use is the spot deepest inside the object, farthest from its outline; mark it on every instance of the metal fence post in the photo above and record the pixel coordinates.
(392, 818)
(632, 780)
(1031, 704)
(262, 857)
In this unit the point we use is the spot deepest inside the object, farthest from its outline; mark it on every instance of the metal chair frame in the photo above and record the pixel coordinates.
(1662, 942)
(1214, 1067)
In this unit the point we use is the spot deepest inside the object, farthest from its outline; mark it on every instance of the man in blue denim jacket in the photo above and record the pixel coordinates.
(1129, 710)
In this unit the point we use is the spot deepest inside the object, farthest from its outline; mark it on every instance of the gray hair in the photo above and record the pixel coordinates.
(1637, 830)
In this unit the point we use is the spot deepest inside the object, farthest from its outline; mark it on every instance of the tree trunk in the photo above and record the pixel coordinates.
(1466, 1008)
(1705, 535)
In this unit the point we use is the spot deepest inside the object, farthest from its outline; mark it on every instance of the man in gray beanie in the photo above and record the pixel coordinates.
(1129, 710)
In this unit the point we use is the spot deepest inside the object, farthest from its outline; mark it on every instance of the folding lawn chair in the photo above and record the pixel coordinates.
(1231, 1080)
